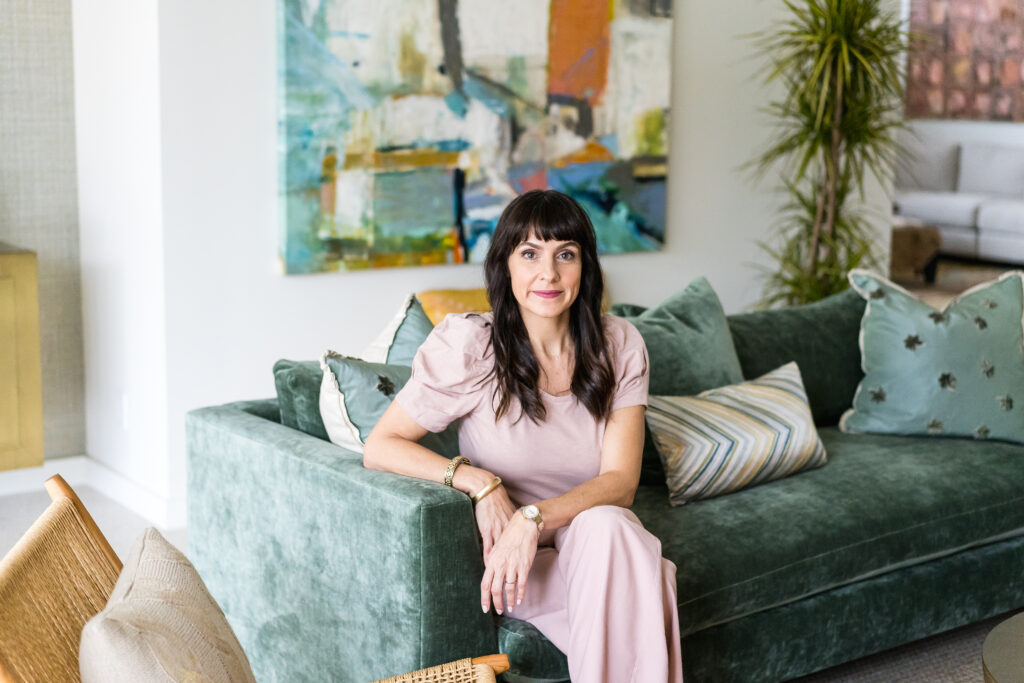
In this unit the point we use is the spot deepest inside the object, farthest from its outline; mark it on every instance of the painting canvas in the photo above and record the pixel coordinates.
(966, 60)
(406, 126)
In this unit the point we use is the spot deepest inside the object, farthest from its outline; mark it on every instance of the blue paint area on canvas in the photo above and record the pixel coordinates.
(413, 202)
(618, 209)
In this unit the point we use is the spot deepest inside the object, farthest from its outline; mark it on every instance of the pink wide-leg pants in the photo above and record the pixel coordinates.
(606, 597)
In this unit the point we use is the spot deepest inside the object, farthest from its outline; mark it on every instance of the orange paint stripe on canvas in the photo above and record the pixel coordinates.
(578, 48)
(592, 151)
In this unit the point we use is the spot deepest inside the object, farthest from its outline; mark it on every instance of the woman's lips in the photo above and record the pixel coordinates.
(547, 294)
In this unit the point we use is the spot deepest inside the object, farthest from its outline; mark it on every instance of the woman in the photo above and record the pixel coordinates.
(551, 394)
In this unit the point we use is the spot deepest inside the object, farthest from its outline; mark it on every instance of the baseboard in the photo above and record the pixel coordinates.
(81, 470)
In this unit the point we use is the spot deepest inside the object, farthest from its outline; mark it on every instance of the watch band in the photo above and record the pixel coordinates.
(450, 472)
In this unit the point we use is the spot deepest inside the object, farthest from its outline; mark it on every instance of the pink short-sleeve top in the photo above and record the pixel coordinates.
(535, 461)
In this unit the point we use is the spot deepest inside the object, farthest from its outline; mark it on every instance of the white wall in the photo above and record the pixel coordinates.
(229, 314)
(117, 116)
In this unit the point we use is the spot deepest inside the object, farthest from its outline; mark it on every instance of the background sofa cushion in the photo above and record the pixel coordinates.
(298, 396)
(161, 624)
(821, 338)
(991, 169)
(940, 208)
(958, 372)
(1004, 215)
(726, 439)
(928, 165)
(882, 503)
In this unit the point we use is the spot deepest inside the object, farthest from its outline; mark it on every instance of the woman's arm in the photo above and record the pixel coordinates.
(505, 578)
(619, 476)
(392, 447)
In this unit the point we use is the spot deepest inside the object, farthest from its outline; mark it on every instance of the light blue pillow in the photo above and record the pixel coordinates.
(398, 342)
(955, 372)
(354, 395)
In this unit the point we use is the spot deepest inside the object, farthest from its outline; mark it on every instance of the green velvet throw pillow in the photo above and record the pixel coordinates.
(354, 395)
(690, 350)
(955, 372)
(298, 395)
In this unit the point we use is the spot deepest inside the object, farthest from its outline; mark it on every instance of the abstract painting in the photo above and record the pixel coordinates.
(406, 126)
(966, 60)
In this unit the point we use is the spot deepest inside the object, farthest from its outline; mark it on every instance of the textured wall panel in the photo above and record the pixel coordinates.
(38, 197)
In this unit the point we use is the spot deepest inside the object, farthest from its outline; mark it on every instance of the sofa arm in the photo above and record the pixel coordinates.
(327, 570)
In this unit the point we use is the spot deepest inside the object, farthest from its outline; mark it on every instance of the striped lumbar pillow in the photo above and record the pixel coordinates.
(729, 438)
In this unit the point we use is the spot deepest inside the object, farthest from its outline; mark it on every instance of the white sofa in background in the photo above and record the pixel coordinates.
(972, 192)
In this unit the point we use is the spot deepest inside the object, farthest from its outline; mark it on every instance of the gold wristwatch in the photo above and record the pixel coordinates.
(532, 513)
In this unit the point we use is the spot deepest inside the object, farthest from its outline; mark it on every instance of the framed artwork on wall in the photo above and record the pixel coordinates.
(966, 60)
(406, 127)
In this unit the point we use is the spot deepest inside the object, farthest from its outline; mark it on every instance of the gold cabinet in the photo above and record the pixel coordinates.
(21, 390)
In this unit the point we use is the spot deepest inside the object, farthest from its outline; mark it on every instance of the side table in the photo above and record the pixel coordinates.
(1002, 655)
(915, 248)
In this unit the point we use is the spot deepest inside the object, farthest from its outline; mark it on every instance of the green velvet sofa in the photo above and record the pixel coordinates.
(329, 571)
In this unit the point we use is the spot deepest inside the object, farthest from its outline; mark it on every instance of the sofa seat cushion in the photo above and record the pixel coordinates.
(881, 504)
(940, 208)
(1004, 215)
(991, 169)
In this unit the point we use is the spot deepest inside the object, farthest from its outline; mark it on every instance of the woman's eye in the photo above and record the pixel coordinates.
(567, 256)
(528, 254)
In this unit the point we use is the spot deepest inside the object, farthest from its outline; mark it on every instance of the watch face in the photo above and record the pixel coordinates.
(531, 511)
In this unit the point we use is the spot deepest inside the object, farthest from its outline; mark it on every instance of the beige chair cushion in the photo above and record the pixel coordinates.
(161, 624)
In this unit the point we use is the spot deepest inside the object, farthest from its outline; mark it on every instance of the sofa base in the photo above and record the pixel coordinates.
(860, 619)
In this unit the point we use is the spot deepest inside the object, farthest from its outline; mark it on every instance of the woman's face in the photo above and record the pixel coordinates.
(545, 276)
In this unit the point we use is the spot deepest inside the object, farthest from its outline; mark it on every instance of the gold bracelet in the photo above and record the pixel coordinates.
(450, 472)
(495, 483)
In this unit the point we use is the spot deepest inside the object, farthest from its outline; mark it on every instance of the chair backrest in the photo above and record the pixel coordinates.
(56, 577)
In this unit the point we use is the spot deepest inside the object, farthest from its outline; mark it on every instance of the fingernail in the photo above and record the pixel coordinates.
(519, 601)
(497, 610)
(484, 608)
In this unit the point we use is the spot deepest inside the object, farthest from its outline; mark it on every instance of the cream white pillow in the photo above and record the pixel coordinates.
(161, 624)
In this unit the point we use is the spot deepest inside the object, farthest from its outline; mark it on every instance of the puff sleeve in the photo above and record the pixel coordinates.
(632, 366)
(448, 372)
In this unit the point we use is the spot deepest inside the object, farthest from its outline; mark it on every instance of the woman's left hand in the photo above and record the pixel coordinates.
(508, 565)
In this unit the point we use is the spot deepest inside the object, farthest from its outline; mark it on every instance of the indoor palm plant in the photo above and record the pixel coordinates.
(840, 64)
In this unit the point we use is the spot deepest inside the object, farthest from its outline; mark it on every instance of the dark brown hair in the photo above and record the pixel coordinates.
(550, 215)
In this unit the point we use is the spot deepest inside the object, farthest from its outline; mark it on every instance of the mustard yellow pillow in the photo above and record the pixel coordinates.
(440, 302)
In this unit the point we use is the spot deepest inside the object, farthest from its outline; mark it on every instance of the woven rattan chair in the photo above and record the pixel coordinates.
(56, 577)
(477, 670)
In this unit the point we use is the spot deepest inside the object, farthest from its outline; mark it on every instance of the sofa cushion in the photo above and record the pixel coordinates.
(398, 342)
(882, 503)
(940, 208)
(298, 396)
(821, 338)
(928, 165)
(355, 393)
(690, 350)
(1003, 215)
(991, 169)
(955, 372)
(161, 624)
(726, 439)
(1004, 247)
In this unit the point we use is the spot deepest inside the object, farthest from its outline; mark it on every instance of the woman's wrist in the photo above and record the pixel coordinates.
(470, 479)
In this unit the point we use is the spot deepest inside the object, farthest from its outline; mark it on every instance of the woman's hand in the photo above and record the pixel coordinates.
(492, 514)
(508, 566)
